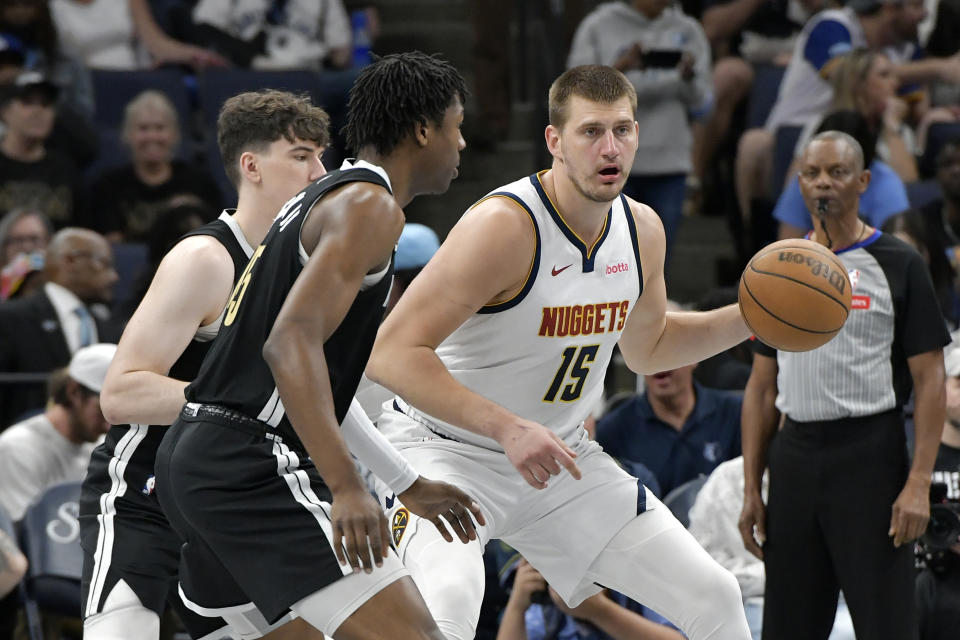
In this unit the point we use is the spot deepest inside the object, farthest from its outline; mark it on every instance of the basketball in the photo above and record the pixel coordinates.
(795, 295)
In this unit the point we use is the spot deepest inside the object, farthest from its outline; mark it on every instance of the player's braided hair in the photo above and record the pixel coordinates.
(395, 94)
(253, 120)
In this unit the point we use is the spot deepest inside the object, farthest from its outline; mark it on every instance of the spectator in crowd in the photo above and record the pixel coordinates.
(73, 131)
(884, 196)
(23, 230)
(39, 333)
(760, 32)
(126, 200)
(13, 564)
(29, 31)
(665, 55)
(806, 93)
(121, 34)
(23, 276)
(55, 446)
(677, 428)
(534, 611)
(30, 173)
(713, 522)
(943, 215)
(915, 229)
(744, 33)
(24, 235)
(266, 34)
(865, 81)
(938, 584)
(845, 502)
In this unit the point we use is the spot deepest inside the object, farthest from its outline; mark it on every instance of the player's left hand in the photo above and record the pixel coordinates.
(911, 512)
(360, 532)
(445, 506)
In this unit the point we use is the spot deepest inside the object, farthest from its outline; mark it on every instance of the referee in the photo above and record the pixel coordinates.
(845, 502)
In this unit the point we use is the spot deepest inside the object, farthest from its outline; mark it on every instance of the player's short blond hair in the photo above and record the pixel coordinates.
(594, 82)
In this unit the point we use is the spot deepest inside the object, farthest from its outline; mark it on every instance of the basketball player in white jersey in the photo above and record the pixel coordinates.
(497, 352)
(271, 142)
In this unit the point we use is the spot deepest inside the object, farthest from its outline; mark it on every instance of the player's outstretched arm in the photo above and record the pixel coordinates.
(485, 259)
(436, 501)
(350, 233)
(655, 340)
(758, 422)
(137, 389)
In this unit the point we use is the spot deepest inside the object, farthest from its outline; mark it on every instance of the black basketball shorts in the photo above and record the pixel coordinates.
(254, 515)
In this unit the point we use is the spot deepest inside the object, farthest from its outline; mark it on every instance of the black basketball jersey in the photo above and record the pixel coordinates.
(122, 465)
(188, 364)
(234, 373)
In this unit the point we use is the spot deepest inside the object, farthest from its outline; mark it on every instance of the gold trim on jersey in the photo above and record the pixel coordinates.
(536, 240)
(606, 220)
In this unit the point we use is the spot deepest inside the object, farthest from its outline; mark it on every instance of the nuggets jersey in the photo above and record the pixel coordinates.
(543, 354)
(234, 374)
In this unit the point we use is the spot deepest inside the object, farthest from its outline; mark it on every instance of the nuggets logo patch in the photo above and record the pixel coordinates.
(399, 524)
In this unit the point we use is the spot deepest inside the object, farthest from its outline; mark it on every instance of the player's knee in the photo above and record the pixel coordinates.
(719, 601)
(452, 597)
(453, 602)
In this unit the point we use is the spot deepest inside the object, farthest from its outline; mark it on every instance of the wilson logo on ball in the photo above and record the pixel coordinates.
(818, 268)
(795, 295)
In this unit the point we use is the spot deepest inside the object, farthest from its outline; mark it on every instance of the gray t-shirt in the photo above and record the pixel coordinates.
(33, 457)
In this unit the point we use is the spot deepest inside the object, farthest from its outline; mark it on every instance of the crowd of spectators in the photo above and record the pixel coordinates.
(76, 193)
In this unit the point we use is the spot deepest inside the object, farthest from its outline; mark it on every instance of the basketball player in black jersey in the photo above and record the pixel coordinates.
(271, 144)
(254, 474)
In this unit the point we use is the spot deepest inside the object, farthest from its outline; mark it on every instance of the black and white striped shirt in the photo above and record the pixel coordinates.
(863, 370)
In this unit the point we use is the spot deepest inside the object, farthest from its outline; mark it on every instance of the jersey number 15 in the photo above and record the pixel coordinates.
(578, 373)
(237, 296)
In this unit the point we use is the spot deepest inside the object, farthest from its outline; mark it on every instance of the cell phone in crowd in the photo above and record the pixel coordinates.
(661, 58)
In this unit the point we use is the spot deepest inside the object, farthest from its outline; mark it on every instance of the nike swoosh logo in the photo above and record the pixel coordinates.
(556, 272)
(389, 500)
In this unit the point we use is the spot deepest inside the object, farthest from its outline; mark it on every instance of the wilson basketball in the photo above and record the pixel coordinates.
(795, 295)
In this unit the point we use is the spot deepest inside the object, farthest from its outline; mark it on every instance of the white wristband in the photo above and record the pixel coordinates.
(374, 450)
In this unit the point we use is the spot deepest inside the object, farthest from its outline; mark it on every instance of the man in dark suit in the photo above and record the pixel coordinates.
(39, 333)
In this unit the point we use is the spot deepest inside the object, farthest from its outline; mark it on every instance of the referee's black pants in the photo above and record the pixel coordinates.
(832, 489)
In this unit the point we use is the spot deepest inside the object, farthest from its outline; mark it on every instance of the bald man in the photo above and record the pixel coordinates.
(39, 333)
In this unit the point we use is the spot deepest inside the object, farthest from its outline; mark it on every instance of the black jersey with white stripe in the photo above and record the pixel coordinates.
(119, 481)
(234, 374)
(188, 364)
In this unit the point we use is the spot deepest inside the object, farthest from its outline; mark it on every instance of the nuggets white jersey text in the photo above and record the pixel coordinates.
(543, 354)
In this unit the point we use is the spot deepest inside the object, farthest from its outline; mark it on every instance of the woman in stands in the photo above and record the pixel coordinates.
(126, 200)
(865, 82)
(869, 105)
